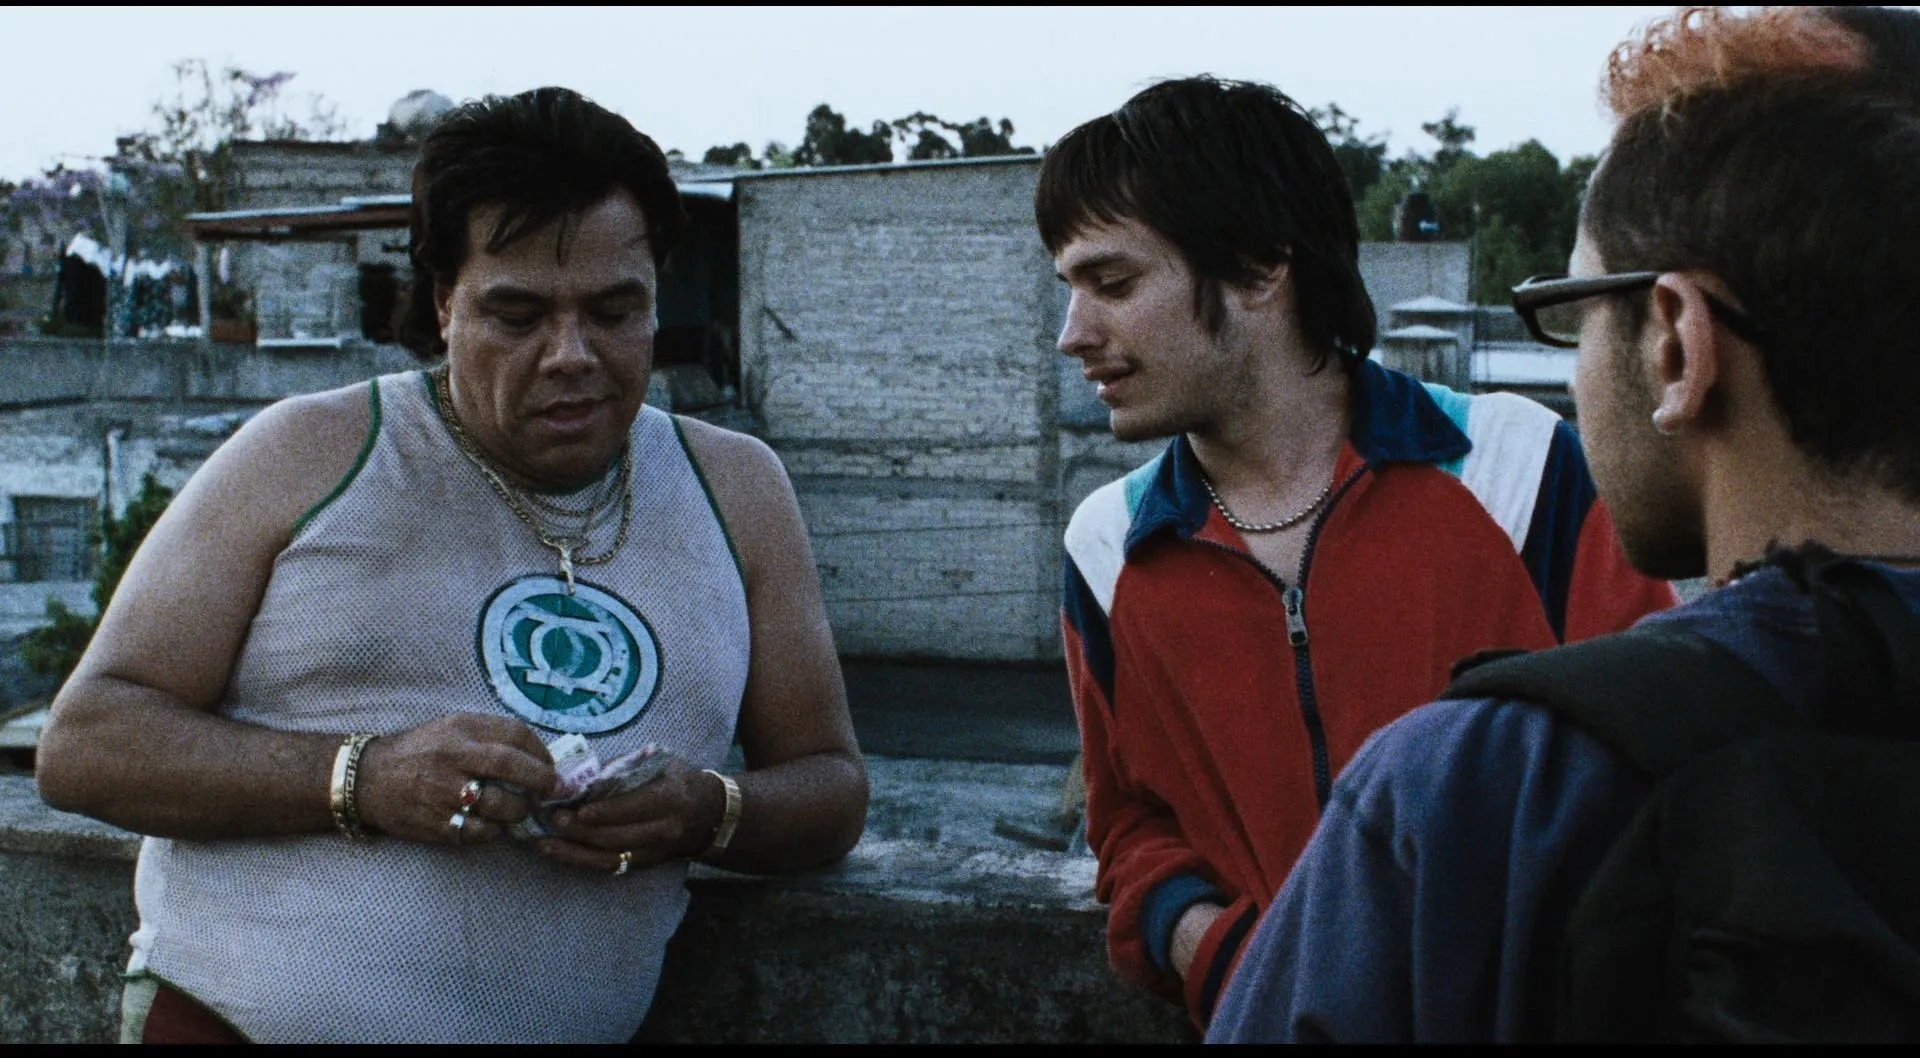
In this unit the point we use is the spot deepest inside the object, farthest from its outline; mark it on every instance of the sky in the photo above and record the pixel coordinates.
(696, 77)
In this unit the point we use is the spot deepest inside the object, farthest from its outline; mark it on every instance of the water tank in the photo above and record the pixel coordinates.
(413, 114)
(1416, 218)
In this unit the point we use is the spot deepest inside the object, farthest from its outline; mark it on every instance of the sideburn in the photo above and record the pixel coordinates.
(1209, 305)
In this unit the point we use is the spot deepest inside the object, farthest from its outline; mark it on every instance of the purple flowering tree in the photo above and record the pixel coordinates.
(181, 165)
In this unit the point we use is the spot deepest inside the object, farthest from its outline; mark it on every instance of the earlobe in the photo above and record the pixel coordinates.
(443, 307)
(1686, 364)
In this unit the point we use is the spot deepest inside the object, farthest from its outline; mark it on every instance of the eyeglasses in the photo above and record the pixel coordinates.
(1548, 305)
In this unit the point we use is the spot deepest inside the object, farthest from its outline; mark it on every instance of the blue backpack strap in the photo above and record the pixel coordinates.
(1869, 644)
(1657, 696)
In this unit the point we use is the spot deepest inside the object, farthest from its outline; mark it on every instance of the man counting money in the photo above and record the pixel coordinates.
(327, 684)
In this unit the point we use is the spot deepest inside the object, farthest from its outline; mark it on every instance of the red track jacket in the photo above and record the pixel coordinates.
(1217, 703)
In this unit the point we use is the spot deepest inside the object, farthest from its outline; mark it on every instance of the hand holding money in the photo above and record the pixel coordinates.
(651, 805)
(584, 778)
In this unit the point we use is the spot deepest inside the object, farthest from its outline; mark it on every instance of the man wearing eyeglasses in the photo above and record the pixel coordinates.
(1319, 542)
(1741, 294)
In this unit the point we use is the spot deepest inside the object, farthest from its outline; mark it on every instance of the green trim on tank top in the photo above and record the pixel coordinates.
(366, 450)
(739, 569)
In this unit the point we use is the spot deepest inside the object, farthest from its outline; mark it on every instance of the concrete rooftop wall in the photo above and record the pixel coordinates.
(57, 371)
(897, 330)
(932, 930)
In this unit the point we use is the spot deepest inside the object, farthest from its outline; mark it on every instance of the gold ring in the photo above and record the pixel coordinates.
(469, 795)
(626, 864)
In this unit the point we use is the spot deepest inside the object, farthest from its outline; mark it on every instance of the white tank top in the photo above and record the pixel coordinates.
(414, 592)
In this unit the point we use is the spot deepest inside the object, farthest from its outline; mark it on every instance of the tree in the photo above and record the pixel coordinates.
(737, 156)
(55, 648)
(1454, 138)
(1519, 205)
(1376, 207)
(919, 136)
(1362, 159)
(61, 200)
(777, 156)
(926, 137)
(981, 138)
(182, 165)
(929, 145)
(830, 142)
(1528, 212)
(1578, 172)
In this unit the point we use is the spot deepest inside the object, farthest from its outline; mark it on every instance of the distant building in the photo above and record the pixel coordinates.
(314, 287)
(1401, 272)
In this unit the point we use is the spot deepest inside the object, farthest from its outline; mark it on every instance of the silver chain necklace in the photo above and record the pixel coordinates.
(599, 507)
(1268, 527)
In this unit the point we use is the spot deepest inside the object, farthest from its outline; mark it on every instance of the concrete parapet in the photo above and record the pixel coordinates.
(963, 938)
(41, 371)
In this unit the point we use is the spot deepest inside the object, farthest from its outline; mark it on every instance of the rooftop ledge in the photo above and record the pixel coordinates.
(934, 929)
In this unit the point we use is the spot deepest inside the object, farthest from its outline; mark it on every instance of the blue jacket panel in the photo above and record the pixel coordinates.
(1453, 849)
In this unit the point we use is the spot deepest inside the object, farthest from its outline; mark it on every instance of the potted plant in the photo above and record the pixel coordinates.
(233, 319)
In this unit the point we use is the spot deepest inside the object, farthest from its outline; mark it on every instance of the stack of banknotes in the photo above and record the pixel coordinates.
(584, 777)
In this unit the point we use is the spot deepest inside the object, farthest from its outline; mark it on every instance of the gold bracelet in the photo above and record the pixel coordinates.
(729, 819)
(342, 795)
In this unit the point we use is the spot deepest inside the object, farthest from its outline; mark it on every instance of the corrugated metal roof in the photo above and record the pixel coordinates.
(722, 190)
(1422, 332)
(351, 214)
(1430, 303)
(881, 167)
(1524, 363)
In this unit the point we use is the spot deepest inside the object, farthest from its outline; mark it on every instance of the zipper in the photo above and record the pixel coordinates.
(1296, 622)
(1303, 661)
(1293, 601)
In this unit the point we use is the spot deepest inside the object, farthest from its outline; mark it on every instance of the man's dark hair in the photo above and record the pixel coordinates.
(1239, 178)
(546, 156)
(1797, 190)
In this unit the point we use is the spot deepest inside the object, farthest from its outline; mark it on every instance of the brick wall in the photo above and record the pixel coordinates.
(897, 329)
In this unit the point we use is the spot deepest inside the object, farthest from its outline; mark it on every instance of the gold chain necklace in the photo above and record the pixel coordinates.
(564, 544)
(1269, 527)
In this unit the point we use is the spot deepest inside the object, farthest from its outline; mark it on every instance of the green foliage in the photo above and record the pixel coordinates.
(930, 145)
(1520, 205)
(55, 648)
(738, 155)
(182, 164)
(1362, 159)
(919, 136)
(926, 135)
(1377, 206)
(1524, 208)
(830, 142)
(1454, 138)
(777, 156)
(981, 138)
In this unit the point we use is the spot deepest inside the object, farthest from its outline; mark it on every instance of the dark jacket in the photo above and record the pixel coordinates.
(1454, 848)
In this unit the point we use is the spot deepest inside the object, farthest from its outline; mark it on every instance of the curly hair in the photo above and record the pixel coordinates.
(1776, 150)
(1707, 49)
